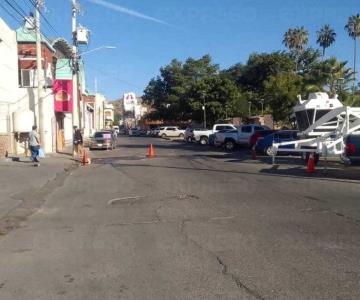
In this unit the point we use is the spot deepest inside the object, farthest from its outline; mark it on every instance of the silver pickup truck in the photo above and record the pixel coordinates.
(239, 136)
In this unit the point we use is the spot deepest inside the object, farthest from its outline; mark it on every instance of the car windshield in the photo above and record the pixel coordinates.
(98, 135)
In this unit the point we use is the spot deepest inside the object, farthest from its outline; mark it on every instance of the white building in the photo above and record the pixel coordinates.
(99, 120)
(9, 89)
(134, 110)
(108, 115)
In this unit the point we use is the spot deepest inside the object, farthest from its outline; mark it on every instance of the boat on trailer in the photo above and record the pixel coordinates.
(324, 124)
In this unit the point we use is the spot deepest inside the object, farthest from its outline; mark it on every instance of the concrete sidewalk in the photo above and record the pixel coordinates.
(19, 179)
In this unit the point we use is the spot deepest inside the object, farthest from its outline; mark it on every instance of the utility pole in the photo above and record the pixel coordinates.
(204, 109)
(40, 74)
(75, 115)
(96, 118)
(75, 119)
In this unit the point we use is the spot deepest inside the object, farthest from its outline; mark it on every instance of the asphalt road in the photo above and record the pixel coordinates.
(191, 223)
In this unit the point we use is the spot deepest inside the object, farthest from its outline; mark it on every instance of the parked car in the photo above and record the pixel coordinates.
(258, 135)
(241, 136)
(134, 132)
(155, 131)
(192, 132)
(103, 140)
(353, 148)
(212, 136)
(264, 145)
(171, 131)
(122, 130)
(203, 136)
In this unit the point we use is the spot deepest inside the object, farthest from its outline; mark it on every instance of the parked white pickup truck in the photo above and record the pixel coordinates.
(240, 136)
(203, 136)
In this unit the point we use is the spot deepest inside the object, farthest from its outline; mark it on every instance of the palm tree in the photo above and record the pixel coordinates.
(353, 29)
(337, 75)
(325, 37)
(296, 40)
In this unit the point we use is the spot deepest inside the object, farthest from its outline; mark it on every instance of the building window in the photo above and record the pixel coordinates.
(28, 78)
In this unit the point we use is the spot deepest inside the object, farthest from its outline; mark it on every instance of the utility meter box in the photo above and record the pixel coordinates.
(83, 35)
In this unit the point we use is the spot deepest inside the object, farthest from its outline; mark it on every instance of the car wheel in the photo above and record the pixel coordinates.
(229, 145)
(270, 151)
(163, 135)
(204, 140)
(181, 135)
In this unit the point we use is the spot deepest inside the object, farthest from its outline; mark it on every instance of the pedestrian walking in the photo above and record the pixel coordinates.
(78, 141)
(34, 144)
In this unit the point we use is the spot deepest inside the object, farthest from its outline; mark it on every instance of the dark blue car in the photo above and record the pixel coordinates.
(353, 148)
(264, 145)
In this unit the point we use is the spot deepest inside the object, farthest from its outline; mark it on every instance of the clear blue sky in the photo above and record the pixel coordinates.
(149, 33)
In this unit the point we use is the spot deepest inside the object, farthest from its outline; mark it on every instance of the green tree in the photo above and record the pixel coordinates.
(281, 93)
(296, 39)
(332, 74)
(325, 37)
(169, 92)
(260, 66)
(353, 29)
(221, 96)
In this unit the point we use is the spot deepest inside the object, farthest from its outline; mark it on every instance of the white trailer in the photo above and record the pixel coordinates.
(324, 124)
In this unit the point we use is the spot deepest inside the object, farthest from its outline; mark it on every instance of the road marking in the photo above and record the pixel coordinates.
(110, 202)
(222, 218)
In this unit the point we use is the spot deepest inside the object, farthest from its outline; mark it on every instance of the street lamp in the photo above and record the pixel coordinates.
(262, 106)
(204, 109)
(98, 48)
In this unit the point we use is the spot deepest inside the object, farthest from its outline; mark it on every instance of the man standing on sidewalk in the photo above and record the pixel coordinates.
(78, 142)
(34, 144)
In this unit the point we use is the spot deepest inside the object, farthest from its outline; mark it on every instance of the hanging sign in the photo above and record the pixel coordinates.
(63, 95)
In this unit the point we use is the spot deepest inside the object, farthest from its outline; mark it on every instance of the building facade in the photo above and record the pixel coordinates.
(19, 107)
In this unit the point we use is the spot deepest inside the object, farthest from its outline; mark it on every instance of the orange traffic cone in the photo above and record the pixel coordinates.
(85, 159)
(151, 151)
(311, 164)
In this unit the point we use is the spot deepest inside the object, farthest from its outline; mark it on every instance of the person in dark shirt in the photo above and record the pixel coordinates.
(78, 142)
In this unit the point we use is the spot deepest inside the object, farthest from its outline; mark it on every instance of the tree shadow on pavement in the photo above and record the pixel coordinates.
(274, 170)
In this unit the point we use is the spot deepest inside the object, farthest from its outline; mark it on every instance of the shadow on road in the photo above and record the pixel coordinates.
(296, 172)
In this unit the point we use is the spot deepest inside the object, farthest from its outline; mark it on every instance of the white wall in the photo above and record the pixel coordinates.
(68, 131)
(14, 98)
(8, 75)
(100, 101)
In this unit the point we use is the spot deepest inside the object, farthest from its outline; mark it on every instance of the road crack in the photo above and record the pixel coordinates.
(236, 279)
(224, 268)
(31, 201)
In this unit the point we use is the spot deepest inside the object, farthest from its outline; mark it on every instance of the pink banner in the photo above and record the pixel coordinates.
(63, 95)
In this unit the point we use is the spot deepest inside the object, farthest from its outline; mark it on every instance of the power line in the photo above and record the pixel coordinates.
(22, 16)
(19, 7)
(113, 77)
(15, 9)
(10, 13)
(45, 19)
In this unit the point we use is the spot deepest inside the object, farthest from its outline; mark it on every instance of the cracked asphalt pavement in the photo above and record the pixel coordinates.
(191, 223)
